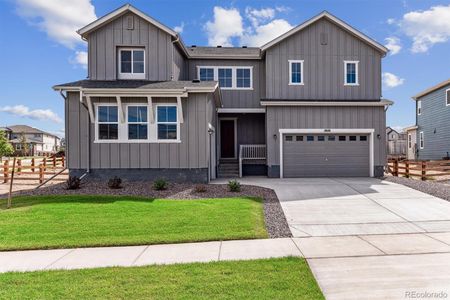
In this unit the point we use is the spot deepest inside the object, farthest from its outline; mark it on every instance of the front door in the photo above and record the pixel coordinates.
(227, 139)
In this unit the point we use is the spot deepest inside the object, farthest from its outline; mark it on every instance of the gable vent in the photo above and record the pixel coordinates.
(130, 23)
(324, 38)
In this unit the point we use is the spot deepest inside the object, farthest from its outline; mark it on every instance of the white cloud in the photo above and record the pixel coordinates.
(36, 114)
(390, 21)
(81, 58)
(265, 33)
(427, 28)
(229, 23)
(226, 25)
(391, 80)
(179, 28)
(393, 44)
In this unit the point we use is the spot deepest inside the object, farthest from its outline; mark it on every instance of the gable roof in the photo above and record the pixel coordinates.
(336, 21)
(432, 89)
(120, 11)
(28, 129)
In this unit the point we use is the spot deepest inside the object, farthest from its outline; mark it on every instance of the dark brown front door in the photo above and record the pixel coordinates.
(227, 139)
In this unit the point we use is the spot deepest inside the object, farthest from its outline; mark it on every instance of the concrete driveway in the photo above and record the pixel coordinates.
(365, 238)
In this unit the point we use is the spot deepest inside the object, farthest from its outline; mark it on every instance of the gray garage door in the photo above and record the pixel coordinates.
(325, 155)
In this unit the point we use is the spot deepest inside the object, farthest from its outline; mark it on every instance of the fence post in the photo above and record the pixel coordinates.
(41, 173)
(54, 161)
(19, 165)
(424, 171)
(62, 161)
(45, 163)
(407, 169)
(395, 173)
(5, 171)
(32, 165)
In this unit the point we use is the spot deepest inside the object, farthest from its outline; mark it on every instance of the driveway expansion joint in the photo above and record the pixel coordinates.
(58, 259)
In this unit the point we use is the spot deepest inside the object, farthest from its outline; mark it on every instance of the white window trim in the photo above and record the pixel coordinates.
(419, 107)
(356, 62)
(156, 123)
(421, 140)
(447, 98)
(131, 75)
(233, 75)
(291, 61)
(97, 123)
(152, 128)
(139, 123)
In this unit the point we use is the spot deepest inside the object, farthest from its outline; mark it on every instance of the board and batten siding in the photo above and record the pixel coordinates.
(236, 98)
(191, 153)
(319, 117)
(434, 121)
(180, 69)
(103, 44)
(323, 68)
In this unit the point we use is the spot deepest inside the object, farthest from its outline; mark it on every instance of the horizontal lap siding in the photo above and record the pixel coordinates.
(103, 44)
(323, 67)
(435, 116)
(325, 117)
(192, 152)
(236, 98)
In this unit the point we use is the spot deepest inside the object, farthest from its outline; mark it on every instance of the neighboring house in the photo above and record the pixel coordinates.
(7, 132)
(38, 142)
(433, 122)
(411, 150)
(308, 103)
(395, 142)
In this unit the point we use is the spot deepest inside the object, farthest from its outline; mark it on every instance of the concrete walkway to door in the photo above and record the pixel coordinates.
(365, 238)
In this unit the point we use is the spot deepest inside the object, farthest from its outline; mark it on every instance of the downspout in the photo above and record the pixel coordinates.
(173, 45)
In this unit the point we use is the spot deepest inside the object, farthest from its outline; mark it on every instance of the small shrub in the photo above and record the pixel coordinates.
(115, 183)
(200, 188)
(234, 186)
(73, 183)
(160, 184)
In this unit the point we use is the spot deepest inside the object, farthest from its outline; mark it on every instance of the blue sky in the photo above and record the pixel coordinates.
(39, 47)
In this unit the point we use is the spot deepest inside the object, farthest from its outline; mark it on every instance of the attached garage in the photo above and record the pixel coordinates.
(326, 154)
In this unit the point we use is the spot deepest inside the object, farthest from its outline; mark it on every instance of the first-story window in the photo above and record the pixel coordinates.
(137, 123)
(108, 122)
(206, 74)
(421, 140)
(351, 72)
(225, 76)
(167, 122)
(296, 72)
(243, 77)
(131, 63)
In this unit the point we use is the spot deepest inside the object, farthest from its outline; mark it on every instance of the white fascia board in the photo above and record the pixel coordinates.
(326, 103)
(241, 110)
(121, 10)
(339, 22)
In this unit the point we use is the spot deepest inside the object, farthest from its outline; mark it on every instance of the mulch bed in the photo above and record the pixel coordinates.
(433, 188)
(275, 220)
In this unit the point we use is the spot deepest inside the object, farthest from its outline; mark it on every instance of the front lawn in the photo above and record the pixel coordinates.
(85, 221)
(285, 278)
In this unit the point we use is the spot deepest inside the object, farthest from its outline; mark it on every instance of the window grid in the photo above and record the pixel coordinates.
(243, 78)
(229, 77)
(296, 72)
(206, 74)
(225, 76)
(108, 122)
(167, 122)
(351, 73)
(137, 122)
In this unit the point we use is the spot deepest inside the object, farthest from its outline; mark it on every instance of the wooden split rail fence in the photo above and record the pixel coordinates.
(422, 169)
(37, 169)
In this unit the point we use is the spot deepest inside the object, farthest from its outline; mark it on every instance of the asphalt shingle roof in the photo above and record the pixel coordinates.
(231, 52)
(135, 84)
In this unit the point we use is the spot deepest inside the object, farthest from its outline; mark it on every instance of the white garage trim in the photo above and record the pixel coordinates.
(329, 131)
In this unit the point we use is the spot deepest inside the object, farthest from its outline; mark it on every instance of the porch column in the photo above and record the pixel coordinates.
(120, 109)
(180, 110)
(150, 109)
(91, 111)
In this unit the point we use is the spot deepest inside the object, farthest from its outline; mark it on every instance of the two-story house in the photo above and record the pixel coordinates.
(433, 122)
(308, 103)
(28, 140)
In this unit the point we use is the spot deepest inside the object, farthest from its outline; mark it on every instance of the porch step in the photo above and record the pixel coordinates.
(228, 170)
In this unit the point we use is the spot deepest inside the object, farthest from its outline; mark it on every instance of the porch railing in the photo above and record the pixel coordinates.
(251, 152)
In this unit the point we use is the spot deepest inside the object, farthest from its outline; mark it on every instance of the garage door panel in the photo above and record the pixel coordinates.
(316, 157)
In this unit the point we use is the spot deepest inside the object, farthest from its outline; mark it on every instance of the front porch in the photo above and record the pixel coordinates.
(241, 144)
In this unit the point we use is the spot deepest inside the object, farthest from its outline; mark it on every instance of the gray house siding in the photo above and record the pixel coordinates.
(236, 98)
(315, 117)
(434, 121)
(323, 66)
(180, 70)
(103, 44)
(192, 153)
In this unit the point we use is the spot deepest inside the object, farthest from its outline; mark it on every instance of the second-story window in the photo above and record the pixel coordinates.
(351, 73)
(296, 72)
(243, 78)
(225, 76)
(131, 63)
(206, 74)
(447, 97)
(419, 107)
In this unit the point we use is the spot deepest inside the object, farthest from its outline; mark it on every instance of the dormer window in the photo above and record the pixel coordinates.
(131, 63)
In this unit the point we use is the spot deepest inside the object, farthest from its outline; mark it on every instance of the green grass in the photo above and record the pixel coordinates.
(44, 222)
(285, 278)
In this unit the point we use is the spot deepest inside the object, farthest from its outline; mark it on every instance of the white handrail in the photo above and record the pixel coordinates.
(251, 152)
